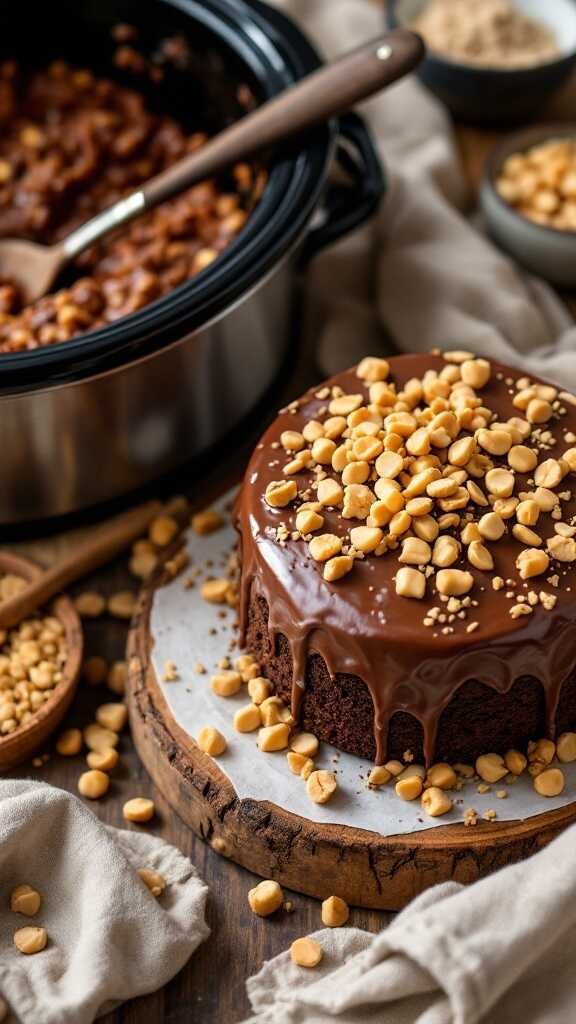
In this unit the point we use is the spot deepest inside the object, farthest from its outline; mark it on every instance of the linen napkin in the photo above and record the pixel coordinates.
(501, 951)
(421, 270)
(109, 938)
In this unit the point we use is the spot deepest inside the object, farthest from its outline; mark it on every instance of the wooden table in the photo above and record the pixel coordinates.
(211, 988)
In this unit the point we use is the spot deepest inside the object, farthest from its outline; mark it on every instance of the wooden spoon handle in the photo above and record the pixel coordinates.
(330, 91)
(104, 544)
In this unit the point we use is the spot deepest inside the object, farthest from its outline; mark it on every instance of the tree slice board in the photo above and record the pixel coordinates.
(364, 868)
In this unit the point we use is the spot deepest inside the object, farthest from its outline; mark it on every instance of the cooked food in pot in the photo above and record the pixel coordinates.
(72, 144)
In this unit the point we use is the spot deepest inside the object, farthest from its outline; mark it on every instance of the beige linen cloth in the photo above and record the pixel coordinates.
(504, 950)
(109, 939)
(420, 269)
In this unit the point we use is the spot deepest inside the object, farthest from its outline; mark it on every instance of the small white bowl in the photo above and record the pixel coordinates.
(546, 251)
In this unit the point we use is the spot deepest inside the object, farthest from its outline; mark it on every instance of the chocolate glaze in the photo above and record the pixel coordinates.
(359, 625)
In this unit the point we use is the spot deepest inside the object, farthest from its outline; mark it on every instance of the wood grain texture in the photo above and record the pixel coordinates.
(364, 868)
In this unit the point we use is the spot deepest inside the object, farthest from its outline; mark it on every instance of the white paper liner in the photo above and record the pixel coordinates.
(187, 630)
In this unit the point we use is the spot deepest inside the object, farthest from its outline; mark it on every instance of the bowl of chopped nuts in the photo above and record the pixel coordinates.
(528, 198)
(492, 62)
(39, 667)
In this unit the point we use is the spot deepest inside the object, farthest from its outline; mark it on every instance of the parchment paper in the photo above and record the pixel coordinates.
(187, 630)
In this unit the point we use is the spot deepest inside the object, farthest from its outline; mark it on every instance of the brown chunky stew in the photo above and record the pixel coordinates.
(72, 144)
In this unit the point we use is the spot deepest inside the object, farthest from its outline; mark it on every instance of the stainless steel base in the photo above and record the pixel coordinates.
(71, 447)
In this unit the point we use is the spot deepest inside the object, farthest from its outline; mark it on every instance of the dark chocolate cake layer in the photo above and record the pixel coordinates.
(377, 673)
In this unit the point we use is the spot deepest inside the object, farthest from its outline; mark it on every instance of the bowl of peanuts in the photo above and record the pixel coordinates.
(492, 62)
(39, 666)
(528, 198)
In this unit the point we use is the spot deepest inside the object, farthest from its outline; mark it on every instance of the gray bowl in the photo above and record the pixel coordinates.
(546, 251)
(491, 95)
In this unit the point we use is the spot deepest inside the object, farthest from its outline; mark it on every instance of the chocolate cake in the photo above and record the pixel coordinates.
(407, 558)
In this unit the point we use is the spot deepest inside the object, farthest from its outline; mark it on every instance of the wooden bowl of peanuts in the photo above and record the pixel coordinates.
(39, 667)
(528, 198)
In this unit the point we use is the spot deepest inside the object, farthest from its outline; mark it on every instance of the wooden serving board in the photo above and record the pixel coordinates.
(366, 869)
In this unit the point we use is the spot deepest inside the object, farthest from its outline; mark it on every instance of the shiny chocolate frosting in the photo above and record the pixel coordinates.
(360, 626)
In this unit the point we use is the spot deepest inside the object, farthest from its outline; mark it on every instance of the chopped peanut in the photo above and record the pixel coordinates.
(491, 767)
(550, 782)
(335, 912)
(211, 741)
(435, 802)
(306, 952)
(321, 786)
(273, 737)
(266, 898)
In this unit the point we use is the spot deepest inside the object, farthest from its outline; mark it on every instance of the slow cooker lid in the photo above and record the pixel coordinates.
(272, 54)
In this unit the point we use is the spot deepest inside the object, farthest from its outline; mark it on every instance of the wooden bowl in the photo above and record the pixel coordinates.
(19, 745)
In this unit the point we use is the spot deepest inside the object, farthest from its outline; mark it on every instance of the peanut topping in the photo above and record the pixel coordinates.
(324, 547)
(454, 582)
(337, 567)
(532, 562)
(479, 556)
(415, 552)
(432, 477)
(410, 583)
(372, 369)
(366, 538)
(280, 493)
(522, 459)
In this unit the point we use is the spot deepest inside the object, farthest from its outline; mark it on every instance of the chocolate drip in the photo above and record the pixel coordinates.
(360, 627)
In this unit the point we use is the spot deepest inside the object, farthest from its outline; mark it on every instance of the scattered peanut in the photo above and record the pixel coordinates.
(112, 716)
(304, 743)
(335, 912)
(306, 952)
(435, 802)
(266, 898)
(247, 719)
(321, 786)
(25, 900)
(163, 530)
(153, 881)
(273, 737)
(211, 741)
(69, 743)
(122, 605)
(139, 809)
(93, 784)
(550, 782)
(30, 940)
(103, 760)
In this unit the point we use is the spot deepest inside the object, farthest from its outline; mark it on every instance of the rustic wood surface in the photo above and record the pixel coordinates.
(210, 989)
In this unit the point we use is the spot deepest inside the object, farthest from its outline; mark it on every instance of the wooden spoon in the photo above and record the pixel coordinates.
(102, 546)
(316, 98)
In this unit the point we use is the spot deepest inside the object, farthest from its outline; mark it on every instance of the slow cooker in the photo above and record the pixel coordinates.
(91, 419)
